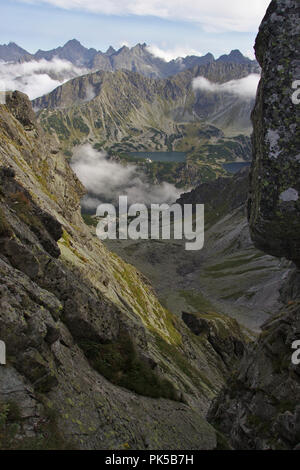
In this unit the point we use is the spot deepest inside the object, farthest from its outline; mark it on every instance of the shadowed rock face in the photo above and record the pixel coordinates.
(259, 408)
(274, 203)
(21, 109)
(61, 294)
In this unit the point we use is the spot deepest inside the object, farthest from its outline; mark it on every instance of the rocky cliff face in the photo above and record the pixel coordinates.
(113, 105)
(93, 359)
(11, 52)
(259, 409)
(274, 203)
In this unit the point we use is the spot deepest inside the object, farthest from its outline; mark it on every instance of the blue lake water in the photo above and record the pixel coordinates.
(160, 156)
(234, 167)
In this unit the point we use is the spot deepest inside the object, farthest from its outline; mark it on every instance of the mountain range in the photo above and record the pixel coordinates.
(129, 100)
(137, 59)
(124, 111)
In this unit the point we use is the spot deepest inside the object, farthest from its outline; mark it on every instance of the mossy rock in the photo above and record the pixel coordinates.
(120, 364)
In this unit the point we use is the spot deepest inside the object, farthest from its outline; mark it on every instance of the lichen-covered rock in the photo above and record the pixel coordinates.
(259, 407)
(64, 300)
(274, 202)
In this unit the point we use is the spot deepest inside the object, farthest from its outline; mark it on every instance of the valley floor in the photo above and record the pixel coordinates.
(228, 276)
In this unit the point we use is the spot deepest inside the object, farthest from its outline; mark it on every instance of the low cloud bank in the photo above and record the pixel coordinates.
(172, 54)
(36, 78)
(244, 88)
(106, 180)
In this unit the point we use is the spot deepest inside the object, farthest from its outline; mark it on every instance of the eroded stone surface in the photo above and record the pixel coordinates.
(259, 408)
(274, 206)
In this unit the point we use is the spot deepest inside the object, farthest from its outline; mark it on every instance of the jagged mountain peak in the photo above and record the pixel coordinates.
(235, 56)
(140, 46)
(236, 53)
(73, 42)
(209, 55)
(111, 50)
(12, 44)
(137, 58)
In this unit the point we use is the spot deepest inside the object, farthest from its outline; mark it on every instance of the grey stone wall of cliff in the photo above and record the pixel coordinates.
(259, 407)
(60, 292)
(274, 202)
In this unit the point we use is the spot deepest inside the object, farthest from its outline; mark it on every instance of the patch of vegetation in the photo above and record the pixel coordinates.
(56, 123)
(23, 207)
(260, 425)
(48, 436)
(119, 363)
(131, 250)
(134, 131)
(99, 145)
(98, 124)
(181, 362)
(162, 320)
(66, 240)
(237, 295)
(217, 152)
(169, 140)
(89, 220)
(286, 405)
(229, 264)
(197, 301)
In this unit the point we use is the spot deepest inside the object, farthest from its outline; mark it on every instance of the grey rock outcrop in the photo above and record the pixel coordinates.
(63, 295)
(259, 408)
(274, 202)
(137, 59)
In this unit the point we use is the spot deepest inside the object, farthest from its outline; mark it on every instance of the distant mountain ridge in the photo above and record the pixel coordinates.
(136, 59)
(11, 52)
(124, 111)
(102, 98)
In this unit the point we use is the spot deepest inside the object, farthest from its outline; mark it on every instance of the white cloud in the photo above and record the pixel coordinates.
(250, 53)
(106, 180)
(36, 78)
(170, 54)
(214, 15)
(125, 43)
(244, 88)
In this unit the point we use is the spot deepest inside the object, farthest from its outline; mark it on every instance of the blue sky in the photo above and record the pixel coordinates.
(179, 27)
